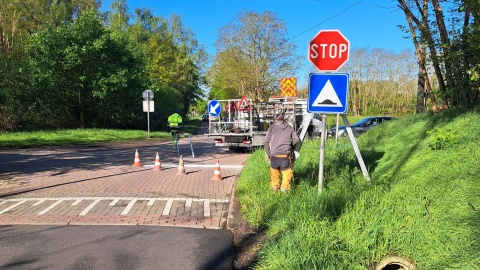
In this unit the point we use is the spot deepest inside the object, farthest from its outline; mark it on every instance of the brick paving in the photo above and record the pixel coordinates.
(97, 184)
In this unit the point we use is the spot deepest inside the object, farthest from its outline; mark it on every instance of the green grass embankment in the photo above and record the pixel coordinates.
(422, 203)
(84, 136)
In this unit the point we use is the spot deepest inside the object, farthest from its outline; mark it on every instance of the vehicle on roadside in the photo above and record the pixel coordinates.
(205, 117)
(361, 126)
(243, 123)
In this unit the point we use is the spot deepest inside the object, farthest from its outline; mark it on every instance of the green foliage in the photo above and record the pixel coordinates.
(253, 55)
(70, 70)
(421, 205)
(440, 138)
(83, 74)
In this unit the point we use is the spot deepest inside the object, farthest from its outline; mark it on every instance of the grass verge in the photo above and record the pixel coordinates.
(421, 203)
(83, 136)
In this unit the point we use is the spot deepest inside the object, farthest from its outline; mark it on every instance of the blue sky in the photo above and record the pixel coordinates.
(365, 23)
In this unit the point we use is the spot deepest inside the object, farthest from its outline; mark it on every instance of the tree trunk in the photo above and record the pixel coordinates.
(420, 50)
(421, 94)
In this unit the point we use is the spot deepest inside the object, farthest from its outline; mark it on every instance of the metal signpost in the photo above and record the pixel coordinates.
(148, 107)
(328, 92)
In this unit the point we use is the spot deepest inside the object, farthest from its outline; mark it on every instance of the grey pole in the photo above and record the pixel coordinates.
(148, 114)
(322, 154)
(355, 147)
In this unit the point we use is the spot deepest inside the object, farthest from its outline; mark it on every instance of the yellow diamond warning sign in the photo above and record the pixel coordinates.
(288, 87)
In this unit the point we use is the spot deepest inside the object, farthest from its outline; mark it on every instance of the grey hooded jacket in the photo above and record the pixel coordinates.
(279, 139)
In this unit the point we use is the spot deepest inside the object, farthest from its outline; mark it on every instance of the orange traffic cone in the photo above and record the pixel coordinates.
(216, 173)
(181, 168)
(136, 161)
(157, 166)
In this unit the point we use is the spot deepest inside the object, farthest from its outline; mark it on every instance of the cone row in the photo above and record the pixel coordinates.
(181, 167)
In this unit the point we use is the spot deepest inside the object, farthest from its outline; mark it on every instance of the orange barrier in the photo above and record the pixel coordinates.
(136, 161)
(216, 173)
(181, 167)
(158, 165)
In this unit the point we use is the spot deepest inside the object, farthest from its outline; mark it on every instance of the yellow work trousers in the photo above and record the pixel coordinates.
(280, 166)
(284, 181)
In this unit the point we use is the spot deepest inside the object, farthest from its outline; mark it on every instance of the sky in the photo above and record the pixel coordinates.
(367, 24)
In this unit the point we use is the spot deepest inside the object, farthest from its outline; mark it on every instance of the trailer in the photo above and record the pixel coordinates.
(242, 124)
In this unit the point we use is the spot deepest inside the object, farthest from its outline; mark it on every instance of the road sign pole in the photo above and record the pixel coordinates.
(322, 154)
(147, 96)
(355, 147)
(336, 129)
(148, 115)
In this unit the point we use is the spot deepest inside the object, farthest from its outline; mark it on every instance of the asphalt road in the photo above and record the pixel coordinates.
(114, 247)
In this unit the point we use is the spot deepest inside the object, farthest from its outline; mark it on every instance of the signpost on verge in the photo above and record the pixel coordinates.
(328, 92)
(148, 106)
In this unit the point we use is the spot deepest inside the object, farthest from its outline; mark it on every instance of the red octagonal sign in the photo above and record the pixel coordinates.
(328, 50)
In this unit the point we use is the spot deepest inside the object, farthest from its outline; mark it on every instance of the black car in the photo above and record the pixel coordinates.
(361, 126)
(205, 117)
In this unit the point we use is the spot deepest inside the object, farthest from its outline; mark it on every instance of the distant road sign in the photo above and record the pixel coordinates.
(214, 108)
(328, 93)
(328, 50)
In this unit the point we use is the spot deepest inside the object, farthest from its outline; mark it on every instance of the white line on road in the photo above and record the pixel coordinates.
(171, 165)
(129, 207)
(11, 207)
(50, 207)
(85, 211)
(168, 207)
(39, 202)
(206, 208)
(114, 201)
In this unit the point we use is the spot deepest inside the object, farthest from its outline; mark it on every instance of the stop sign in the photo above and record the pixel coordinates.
(328, 50)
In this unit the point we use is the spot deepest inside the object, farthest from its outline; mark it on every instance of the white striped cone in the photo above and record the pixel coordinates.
(158, 165)
(181, 167)
(136, 161)
(216, 173)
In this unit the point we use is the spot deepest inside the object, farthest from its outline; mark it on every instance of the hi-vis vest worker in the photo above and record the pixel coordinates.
(279, 144)
(175, 121)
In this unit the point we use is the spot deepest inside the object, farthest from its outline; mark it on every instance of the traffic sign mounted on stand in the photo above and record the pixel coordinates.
(214, 108)
(328, 50)
(328, 93)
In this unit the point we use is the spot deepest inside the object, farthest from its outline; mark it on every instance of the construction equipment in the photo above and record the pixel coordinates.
(242, 124)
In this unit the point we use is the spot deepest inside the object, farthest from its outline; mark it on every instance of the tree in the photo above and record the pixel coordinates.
(253, 55)
(83, 74)
(381, 82)
(449, 51)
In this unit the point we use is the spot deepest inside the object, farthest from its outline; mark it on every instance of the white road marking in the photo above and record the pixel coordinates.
(77, 201)
(11, 207)
(188, 203)
(206, 208)
(85, 211)
(129, 207)
(151, 202)
(168, 207)
(39, 202)
(50, 207)
(114, 201)
(171, 165)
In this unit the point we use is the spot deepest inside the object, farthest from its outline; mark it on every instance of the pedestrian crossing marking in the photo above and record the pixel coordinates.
(17, 202)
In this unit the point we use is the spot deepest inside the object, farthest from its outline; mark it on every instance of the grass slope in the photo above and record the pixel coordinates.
(84, 136)
(422, 203)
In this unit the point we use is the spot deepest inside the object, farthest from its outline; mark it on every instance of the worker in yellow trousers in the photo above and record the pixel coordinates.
(279, 143)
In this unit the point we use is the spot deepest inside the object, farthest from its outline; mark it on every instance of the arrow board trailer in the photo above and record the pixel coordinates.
(243, 128)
